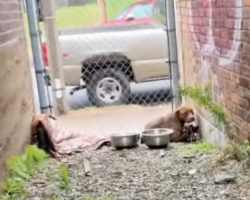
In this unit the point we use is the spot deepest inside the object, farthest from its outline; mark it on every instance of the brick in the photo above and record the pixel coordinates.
(244, 82)
(221, 23)
(7, 16)
(230, 106)
(245, 115)
(238, 111)
(224, 73)
(234, 12)
(202, 12)
(246, 24)
(244, 58)
(235, 78)
(245, 47)
(10, 35)
(245, 36)
(14, 24)
(217, 32)
(244, 92)
(241, 102)
(226, 33)
(10, 6)
(229, 23)
(217, 4)
(245, 71)
(236, 69)
(236, 119)
(246, 12)
(232, 85)
(246, 2)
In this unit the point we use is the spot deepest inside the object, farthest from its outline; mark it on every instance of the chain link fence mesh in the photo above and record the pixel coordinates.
(118, 60)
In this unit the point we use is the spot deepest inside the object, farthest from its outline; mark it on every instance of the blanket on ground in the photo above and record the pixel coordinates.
(51, 136)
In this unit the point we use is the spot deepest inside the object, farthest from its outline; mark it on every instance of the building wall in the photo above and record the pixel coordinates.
(16, 102)
(215, 46)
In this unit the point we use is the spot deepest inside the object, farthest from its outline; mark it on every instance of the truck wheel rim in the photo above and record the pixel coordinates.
(109, 90)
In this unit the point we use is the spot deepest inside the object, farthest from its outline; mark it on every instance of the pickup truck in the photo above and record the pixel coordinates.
(106, 59)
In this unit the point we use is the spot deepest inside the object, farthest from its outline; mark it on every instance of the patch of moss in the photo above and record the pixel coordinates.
(196, 148)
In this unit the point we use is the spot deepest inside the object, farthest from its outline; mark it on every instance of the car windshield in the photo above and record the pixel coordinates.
(137, 12)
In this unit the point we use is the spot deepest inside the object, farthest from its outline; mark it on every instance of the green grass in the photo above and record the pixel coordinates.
(196, 148)
(64, 177)
(114, 7)
(88, 15)
(77, 17)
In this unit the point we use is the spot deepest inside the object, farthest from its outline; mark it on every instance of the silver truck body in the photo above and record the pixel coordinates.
(144, 45)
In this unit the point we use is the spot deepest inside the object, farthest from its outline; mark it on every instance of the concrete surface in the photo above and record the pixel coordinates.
(211, 134)
(115, 119)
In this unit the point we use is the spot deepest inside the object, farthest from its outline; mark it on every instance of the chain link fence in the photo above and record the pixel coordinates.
(115, 53)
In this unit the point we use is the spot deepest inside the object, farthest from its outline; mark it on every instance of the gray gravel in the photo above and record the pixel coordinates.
(143, 174)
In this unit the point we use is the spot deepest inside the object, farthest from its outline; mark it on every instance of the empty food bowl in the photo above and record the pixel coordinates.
(125, 140)
(157, 138)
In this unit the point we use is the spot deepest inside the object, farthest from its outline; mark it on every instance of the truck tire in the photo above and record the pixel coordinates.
(108, 87)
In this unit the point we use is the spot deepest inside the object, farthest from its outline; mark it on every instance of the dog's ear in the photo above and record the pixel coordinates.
(181, 114)
(177, 114)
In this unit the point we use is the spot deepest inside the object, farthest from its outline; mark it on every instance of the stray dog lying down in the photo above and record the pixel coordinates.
(183, 122)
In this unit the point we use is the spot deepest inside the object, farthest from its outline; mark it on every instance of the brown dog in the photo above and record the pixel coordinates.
(175, 121)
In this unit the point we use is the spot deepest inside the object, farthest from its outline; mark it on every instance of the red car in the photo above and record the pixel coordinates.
(138, 13)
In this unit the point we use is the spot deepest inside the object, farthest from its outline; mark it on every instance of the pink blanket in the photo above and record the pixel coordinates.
(64, 141)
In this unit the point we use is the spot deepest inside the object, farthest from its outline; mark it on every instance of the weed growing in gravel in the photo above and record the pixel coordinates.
(64, 177)
(21, 169)
(92, 198)
(58, 176)
(240, 152)
(196, 148)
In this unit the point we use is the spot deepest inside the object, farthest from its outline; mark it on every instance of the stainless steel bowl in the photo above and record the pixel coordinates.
(155, 138)
(127, 140)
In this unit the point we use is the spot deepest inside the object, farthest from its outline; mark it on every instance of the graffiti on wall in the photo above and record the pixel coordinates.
(215, 27)
(217, 30)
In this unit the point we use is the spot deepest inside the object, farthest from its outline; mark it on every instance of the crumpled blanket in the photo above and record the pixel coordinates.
(51, 136)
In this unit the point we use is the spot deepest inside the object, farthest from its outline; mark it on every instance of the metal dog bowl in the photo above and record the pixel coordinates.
(157, 138)
(127, 140)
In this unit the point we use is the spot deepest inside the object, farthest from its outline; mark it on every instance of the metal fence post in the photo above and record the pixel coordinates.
(55, 57)
(37, 56)
(173, 54)
(103, 10)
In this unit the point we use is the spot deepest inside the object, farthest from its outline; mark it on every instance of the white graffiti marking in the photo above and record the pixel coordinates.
(210, 46)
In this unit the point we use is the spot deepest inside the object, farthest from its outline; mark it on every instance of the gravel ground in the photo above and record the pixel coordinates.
(143, 174)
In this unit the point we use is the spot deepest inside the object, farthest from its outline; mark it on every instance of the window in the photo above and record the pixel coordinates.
(141, 11)
(137, 12)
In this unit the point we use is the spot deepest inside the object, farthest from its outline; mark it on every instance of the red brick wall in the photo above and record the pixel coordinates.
(16, 103)
(215, 37)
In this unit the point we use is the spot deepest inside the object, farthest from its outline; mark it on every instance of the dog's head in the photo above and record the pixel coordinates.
(185, 114)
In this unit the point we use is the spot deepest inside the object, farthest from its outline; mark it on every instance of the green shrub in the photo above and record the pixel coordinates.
(21, 168)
